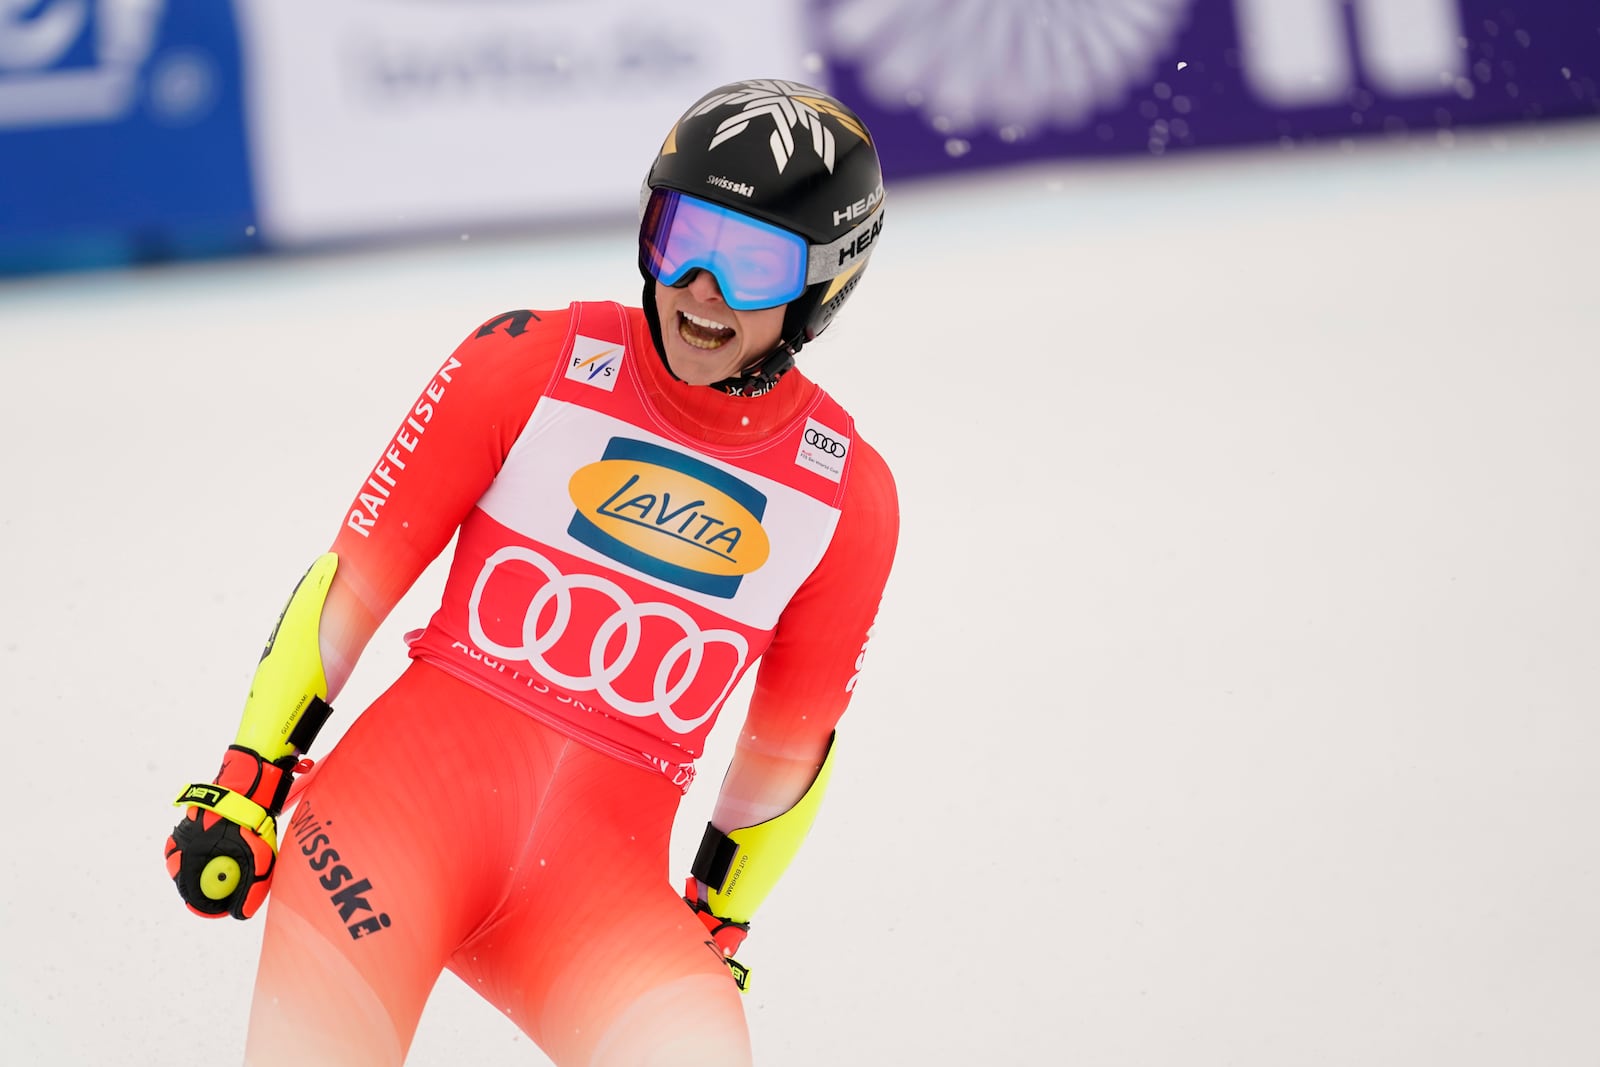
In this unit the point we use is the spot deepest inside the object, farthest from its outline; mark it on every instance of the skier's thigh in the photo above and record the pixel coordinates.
(358, 928)
(628, 984)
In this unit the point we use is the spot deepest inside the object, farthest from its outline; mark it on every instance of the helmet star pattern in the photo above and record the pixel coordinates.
(791, 106)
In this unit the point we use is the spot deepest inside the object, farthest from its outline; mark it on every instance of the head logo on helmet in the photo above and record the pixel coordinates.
(791, 156)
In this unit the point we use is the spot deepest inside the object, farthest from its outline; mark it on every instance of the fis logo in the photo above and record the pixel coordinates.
(594, 362)
(670, 516)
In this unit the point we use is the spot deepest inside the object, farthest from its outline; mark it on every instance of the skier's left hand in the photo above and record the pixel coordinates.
(726, 935)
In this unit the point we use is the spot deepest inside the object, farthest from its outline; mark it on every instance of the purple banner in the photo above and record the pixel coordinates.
(955, 84)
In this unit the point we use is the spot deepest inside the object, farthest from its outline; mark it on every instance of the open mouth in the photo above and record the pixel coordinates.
(703, 333)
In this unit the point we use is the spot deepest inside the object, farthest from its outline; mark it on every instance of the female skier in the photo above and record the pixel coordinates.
(647, 501)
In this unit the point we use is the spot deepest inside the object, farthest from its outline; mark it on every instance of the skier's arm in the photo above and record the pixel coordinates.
(445, 453)
(441, 458)
(784, 757)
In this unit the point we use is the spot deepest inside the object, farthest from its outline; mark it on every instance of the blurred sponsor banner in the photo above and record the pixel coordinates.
(121, 132)
(148, 129)
(953, 84)
(376, 116)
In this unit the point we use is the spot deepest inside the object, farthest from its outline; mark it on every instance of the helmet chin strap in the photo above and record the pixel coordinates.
(762, 375)
(756, 378)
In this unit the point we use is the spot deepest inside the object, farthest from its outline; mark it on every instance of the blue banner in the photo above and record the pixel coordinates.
(122, 135)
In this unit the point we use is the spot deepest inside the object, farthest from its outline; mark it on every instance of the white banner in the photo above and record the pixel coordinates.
(375, 116)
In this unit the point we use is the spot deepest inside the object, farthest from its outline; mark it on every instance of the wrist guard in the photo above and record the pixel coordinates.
(739, 868)
(288, 700)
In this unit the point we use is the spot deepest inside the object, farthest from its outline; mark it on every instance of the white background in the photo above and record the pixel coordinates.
(375, 117)
(1233, 701)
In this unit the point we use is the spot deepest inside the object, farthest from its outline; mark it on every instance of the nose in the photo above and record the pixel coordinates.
(703, 286)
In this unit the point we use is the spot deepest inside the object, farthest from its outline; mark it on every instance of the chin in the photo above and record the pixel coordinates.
(696, 366)
(699, 376)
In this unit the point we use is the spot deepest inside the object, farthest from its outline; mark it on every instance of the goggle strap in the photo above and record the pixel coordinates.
(846, 253)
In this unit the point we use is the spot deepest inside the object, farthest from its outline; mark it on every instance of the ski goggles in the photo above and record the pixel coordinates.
(756, 264)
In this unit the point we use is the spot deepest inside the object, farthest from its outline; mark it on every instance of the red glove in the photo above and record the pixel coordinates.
(726, 935)
(222, 854)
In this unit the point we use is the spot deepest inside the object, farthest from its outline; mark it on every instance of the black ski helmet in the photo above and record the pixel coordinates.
(790, 155)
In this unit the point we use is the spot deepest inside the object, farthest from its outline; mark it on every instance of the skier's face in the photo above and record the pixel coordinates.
(706, 340)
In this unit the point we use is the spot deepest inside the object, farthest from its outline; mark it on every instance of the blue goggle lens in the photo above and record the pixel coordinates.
(756, 264)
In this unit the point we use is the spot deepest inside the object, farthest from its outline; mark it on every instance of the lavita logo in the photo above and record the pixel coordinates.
(670, 516)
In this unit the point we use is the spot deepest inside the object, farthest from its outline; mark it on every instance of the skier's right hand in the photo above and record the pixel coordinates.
(221, 855)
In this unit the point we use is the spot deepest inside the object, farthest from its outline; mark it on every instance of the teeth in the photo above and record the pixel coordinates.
(703, 333)
(700, 342)
(706, 324)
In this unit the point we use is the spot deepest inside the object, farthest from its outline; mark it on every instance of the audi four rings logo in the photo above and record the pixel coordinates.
(823, 450)
(684, 658)
(819, 440)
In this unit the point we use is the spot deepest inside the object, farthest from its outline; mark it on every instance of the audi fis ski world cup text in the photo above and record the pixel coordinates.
(823, 449)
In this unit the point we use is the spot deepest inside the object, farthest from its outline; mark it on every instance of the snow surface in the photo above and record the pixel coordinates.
(1235, 697)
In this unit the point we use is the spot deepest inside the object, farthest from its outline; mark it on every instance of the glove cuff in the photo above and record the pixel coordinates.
(727, 934)
(246, 773)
